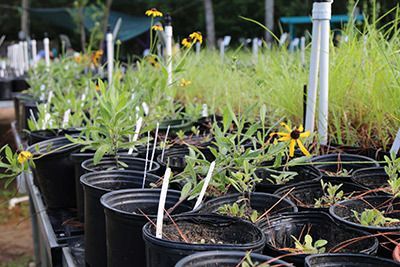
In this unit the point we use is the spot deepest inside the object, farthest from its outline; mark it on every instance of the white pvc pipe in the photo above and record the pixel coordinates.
(313, 76)
(161, 204)
(46, 43)
(303, 50)
(34, 52)
(255, 50)
(110, 57)
(165, 143)
(168, 51)
(198, 48)
(26, 56)
(137, 132)
(324, 83)
(222, 50)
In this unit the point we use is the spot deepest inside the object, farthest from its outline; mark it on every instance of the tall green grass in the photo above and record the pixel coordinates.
(364, 86)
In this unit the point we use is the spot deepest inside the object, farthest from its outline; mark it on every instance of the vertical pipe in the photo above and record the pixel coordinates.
(303, 51)
(255, 50)
(168, 47)
(324, 83)
(222, 50)
(313, 76)
(34, 52)
(110, 57)
(46, 43)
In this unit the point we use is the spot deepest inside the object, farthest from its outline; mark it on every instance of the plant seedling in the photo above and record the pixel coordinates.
(331, 195)
(248, 262)
(392, 170)
(308, 247)
(243, 211)
(374, 217)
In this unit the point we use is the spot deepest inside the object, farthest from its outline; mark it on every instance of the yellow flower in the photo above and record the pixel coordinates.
(153, 12)
(157, 27)
(24, 156)
(293, 137)
(196, 37)
(78, 58)
(184, 83)
(97, 88)
(153, 60)
(96, 57)
(187, 42)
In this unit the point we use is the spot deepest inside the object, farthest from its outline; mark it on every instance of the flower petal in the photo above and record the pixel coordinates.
(302, 148)
(291, 147)
(305, 134)
(286, 126)
(284, 138)
(301, 128)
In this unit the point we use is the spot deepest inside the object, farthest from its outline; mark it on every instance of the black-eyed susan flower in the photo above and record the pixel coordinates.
(293, 136)
(24, 156)
(153, 60)
(184, 83)
(196, 37)
(157, 27)
(96, 57)
(153, 12)
(187, 42)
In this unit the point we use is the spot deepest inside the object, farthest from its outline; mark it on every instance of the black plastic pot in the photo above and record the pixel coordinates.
(175, 125)
(372, 178)
(43, 135)
(304, 174)
(20, 84)
(95, 185)
(108, 163)
(78, 158)
(54, 172)
(261, 202)
(226, 259)
(305, 194)
(235, 234)
(23, 104)
(142, 150)
(347, 260)
(5, 89)
(347, 162)
(319, 225)
(343, 212)
(124, 222)
(174, 157)
(376, 154)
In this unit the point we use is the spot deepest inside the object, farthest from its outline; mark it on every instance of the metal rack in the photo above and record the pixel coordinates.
(52, 248)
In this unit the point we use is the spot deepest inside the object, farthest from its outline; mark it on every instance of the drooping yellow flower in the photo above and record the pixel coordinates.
(157, 27)
(153, 60)
(96, 57)
(153, 12)
(24, 156)
(196, 37)
(184, 83)
(187, 42)
(293, 137)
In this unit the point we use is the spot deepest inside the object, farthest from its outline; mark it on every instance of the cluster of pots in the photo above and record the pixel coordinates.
(11, 85)
(118, 207)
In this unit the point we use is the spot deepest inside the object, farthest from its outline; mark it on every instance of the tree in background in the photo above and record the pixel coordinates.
(269, 19)
(210, 25)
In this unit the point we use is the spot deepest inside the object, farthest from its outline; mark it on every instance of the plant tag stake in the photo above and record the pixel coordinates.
(161, 205)
(396, 144)
(46, 120)
(137, 131)
(147, 156)
(66, 118)
(145, 108)
(154, 147)
(204, 111)
(165, 143)
(205, 185)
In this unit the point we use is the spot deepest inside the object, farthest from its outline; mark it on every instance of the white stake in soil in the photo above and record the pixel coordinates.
(303, 51)
(168, 47)
(396, 144)
(137, 132)
(154, 147)
(161, 205)
(255, 50)
(165, 143)
(147, 156)
(66, 118)
(34, 52)
(205, 185)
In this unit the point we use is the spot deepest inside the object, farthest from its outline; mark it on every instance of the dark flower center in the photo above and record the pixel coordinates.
(295, 134)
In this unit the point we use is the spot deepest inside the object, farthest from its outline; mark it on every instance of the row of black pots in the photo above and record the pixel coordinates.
(235, 258)
(8, 86)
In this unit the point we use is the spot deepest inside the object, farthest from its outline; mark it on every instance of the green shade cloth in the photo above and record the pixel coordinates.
(131, 26)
